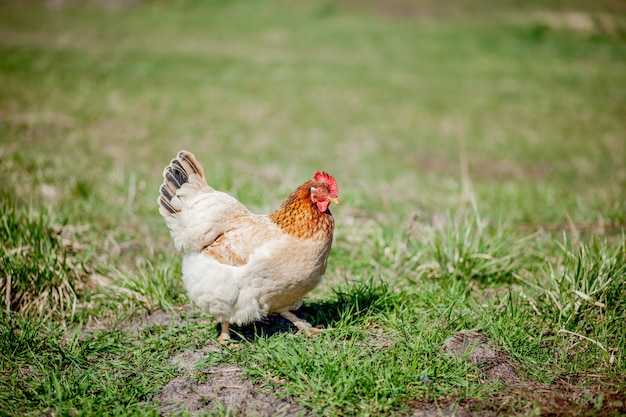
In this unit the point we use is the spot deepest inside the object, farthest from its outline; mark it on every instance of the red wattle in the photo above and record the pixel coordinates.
(322, 205)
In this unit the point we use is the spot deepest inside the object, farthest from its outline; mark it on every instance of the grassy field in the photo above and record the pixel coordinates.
(480, 151)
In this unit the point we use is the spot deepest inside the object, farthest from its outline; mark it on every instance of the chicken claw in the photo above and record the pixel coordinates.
(302, 325)
(225, 334)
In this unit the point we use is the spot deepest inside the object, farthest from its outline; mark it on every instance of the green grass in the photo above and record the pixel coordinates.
(385, 335)
(40, 273)
(479, 151)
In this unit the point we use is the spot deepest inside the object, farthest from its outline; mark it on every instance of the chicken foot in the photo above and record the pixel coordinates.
(225, 334)
(302, 325)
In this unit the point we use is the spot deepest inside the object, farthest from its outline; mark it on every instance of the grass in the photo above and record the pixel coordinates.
(39, 272)
(398, 359)
(480, 154)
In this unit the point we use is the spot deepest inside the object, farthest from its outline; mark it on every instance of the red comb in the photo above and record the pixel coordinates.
(329, 180)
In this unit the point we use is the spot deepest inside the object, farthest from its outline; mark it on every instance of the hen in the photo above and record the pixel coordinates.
(239, 266)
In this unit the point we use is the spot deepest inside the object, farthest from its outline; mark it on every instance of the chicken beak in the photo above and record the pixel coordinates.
(334, 200)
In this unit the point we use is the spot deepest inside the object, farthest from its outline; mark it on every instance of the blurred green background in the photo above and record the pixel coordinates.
(389, 97)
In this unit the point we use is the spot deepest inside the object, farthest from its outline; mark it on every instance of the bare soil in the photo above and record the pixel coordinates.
(226, 388)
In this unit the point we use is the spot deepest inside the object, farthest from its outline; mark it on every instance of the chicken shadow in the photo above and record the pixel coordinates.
(347, 305)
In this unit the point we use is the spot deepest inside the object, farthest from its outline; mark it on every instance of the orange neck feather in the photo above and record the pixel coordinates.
(300, 217)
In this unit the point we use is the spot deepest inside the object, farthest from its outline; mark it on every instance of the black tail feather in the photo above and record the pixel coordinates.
(175, 175)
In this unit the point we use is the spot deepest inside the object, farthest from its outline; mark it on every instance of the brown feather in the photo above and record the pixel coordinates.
(299, 216)
(222, 251)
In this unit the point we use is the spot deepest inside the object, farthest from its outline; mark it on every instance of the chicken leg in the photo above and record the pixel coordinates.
(225, 334)
(302, 325)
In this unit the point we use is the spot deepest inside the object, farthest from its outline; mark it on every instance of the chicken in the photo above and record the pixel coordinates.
(241, 267)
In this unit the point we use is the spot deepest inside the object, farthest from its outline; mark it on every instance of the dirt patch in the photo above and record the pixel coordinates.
(452, 409)
(223, 387)
(478, 349)
(561, 398)
(220, 388)
(161, 318)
